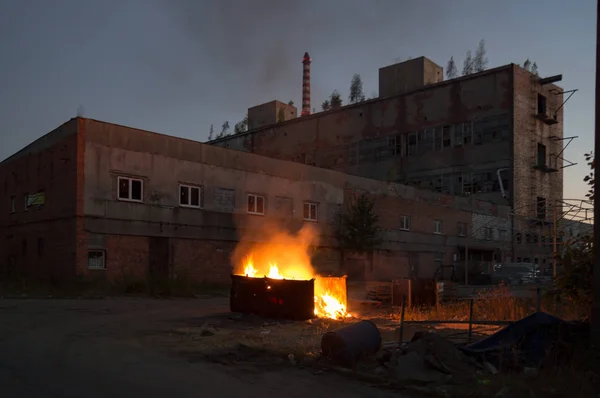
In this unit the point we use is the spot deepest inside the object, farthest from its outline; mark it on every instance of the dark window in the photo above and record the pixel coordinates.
(310, 211)
(446, 136)
(405, 223)
(123, 188)
(190, 196)
(458, 135)
(541, 155)
(412, 144)
(13, 204)
(24, 247)
(519, 239)
(96, 259)
(541, 208)
(130, 189)
(256, 204)
(542, 105)
(462, 229)
(136, 189)
(40, 246)
(437, 226)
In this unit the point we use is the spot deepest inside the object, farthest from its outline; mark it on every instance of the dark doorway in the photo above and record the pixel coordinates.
(158, 267)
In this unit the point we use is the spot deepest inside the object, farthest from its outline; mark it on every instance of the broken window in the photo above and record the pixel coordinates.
(541, 155)
(489, 233)
(467, 184)
(477, 184)
(458, 135)
(462, 229)
(426, 139)
(542, 105)
(391, 144)
(541, 208)
(467, 133)
(446, 136)
(412, 144)
(438, 139)
(477, 137)
(519, 238)
(96, 259)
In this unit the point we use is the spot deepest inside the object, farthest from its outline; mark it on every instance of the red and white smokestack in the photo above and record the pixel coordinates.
(306, 85)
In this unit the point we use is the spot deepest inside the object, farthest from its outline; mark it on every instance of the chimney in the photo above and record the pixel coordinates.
(306, 85)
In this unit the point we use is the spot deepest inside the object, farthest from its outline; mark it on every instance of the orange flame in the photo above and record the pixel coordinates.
(286, 256)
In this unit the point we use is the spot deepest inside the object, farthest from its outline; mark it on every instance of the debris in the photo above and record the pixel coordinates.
(490, 368)
(206, 333)
(430, 358)
(265, 332)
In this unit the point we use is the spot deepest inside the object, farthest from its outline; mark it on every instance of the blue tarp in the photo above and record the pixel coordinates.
(529, 339)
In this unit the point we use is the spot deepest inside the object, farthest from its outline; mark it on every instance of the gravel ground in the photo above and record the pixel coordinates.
(108, 348)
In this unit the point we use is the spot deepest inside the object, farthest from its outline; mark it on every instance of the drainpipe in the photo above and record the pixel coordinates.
(500, 182)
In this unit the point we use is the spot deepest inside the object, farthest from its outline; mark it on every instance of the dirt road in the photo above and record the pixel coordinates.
(92, 348)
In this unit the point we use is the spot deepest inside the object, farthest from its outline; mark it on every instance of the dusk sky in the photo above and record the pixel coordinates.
(178, 66)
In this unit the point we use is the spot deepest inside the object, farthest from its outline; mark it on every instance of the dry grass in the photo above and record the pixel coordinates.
(496, 304)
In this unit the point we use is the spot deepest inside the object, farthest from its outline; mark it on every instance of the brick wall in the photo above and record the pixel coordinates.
(528, 131)
(203, 261)
(40, 241)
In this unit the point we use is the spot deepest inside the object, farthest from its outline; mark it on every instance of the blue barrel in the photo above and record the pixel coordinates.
(346, 346)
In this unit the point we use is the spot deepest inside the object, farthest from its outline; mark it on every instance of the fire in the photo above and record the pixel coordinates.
(330, 293)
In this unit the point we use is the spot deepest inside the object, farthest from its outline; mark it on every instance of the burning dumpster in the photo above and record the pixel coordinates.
(275, 296)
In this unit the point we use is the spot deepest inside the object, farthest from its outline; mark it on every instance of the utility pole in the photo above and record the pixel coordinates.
(595, 316)
(554, 251)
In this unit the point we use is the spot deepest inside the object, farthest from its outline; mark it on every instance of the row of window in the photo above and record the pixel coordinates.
(463, 184)
(405, 225)
(132, 189)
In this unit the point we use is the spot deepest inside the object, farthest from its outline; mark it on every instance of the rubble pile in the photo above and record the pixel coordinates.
(430, 358)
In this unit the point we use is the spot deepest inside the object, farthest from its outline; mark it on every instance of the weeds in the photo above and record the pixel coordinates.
(496, 304)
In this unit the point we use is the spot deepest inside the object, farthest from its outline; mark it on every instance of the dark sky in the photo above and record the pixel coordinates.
(178, 66)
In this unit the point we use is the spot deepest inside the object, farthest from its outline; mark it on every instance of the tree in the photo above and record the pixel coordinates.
(468, 64)
(326, 105)
(225, 129)
(356, 90)
(534, 69)
(480, 61)
(241, 126)
(527, 65)
(355, 228)
(211, 132)
(451, 71)
(575, 284)
(291, 103)
(281, 115)
(335, 100)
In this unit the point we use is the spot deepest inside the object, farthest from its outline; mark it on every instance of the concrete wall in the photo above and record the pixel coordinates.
(409, 138)
(195, 235)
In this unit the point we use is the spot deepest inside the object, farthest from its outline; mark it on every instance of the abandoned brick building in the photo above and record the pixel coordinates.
(98, 199)
(496, 136)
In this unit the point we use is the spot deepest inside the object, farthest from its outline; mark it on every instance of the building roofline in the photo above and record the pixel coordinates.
(374, 100)
(29, 146)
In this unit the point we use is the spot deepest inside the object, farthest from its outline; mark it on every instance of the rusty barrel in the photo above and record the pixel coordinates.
(347, 345)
